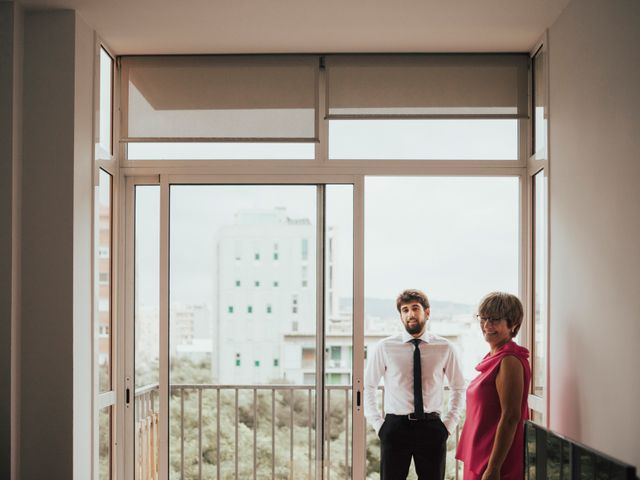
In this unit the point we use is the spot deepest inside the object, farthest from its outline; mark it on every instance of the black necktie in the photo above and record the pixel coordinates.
(417, 381)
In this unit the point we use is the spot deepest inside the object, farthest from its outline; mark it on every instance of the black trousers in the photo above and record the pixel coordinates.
(424, 440)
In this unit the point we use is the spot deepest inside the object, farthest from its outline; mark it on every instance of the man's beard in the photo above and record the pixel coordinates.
(417, 328)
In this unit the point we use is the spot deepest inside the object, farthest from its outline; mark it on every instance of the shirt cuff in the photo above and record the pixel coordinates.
(449, 424)
(377, 424)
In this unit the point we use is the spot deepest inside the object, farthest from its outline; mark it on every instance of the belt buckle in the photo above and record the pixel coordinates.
(412, 417)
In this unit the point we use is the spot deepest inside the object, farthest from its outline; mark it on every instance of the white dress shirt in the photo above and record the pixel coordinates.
(392, 359)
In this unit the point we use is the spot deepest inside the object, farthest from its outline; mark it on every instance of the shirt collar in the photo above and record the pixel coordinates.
(425, 337)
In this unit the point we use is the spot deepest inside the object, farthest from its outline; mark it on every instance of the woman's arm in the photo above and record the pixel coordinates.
(510, 386)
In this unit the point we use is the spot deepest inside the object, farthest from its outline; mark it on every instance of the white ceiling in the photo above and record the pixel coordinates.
(314, 26)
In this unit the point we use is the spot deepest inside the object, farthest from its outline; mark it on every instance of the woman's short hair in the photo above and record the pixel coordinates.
(412, 295)
(499, 305)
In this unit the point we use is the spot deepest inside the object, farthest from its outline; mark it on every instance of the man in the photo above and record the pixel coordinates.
(413, 365)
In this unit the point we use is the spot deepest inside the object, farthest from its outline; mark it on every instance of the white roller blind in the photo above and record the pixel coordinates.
(219, 97)
(427, 86)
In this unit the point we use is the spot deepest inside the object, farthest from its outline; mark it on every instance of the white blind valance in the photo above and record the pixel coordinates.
(220, 97)
(427, 86)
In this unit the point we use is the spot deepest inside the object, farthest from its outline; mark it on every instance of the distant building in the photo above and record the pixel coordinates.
(147, 346)
(104, 286)
(191, 332)
(265, 291)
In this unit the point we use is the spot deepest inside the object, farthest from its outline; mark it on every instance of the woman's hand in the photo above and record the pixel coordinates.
(491, 475)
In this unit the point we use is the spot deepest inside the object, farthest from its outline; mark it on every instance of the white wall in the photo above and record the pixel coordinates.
(595, 225)
(56, 361)
(83, 229)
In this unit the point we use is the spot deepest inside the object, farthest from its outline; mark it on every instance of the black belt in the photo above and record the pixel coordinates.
(411, 416)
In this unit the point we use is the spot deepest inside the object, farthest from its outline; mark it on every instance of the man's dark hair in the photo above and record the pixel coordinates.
(412, 295)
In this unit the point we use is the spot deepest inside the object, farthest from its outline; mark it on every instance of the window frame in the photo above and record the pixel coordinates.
(318, 171)
(100, 153)
(107, 162)
(538, 164)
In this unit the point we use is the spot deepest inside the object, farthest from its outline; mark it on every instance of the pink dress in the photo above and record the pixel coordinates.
(483, 415)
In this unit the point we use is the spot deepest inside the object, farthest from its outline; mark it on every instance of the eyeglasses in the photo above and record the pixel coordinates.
(483, 319)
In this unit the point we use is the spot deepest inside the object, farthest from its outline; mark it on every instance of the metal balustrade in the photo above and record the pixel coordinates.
(273, 397)
(146, 434)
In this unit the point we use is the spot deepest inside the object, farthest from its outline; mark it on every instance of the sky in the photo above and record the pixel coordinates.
(417, 139)
(454, 237)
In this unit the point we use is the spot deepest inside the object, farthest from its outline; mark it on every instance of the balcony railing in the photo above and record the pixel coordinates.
(249, 432)
(146, 433)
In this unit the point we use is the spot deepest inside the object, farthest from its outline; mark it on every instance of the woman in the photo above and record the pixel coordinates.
(492, 440)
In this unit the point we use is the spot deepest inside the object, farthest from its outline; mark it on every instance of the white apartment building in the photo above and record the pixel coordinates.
(265, 291)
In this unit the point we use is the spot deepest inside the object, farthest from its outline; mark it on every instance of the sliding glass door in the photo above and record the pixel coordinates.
(243, 359)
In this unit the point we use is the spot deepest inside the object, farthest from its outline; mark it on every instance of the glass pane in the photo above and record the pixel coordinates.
(423, 139)
(603, 468)
(586, 464)
(103, 289)
(554, 457)
(338, 251)
(221, 151)
(540, 103)
(456, 239)
(531, 452)
(539, 283)
(106, 97)
(104, 439)
(565, 473)
(147, 329)
(242, 331)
